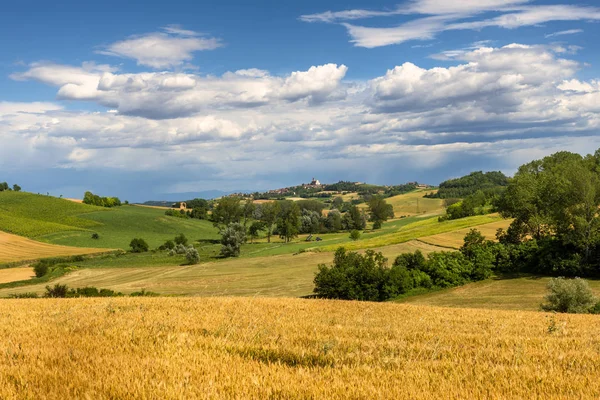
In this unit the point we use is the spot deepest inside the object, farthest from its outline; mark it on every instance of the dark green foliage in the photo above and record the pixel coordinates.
(144, 293)
(267, 214)
(227, 211)
(254, 230)
(492, 182)
(232, 239)
(177, 213)
(355, 234)
(138, 245)
(379, 211)
(192, 256)
(353, 276)
(199, 208)
(16, 188)
(58, 291)
(27, 295)
(4, 186)
(570, 296)
(311, 205)
(95, 236)
(168, 245)
(95, 200)
(40, 269)
(288, 221)
(181, 239)
(353, 219)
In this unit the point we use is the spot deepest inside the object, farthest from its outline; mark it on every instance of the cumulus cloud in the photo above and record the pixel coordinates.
(492, 103)
(167, 49)
(452, 15)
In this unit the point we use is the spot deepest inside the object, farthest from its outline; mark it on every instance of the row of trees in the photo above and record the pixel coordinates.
(355, 276)
(4, 187)
(95, 200)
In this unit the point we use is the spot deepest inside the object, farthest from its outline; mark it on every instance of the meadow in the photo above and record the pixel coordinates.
(173, 348)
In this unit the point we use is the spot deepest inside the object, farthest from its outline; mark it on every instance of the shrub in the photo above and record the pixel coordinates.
(58, 291)
(569, 296)
(168, 245)
(95, 236)
(181, 239)
(27, 295)
(40, 269)
(192, 256)
(144, 293)
(138, 245)
(232, 239)
(354, 234)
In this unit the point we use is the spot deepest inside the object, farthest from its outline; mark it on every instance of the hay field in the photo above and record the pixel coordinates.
(455, 239)
(16, 274)
(414, 203)
(176, 348)
(285, 275)
(17, 248)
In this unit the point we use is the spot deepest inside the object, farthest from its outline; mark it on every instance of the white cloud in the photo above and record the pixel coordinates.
(563, 33)
(160, 50)
(453, 15)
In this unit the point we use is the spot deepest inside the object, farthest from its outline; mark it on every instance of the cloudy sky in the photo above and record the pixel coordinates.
(157, 100)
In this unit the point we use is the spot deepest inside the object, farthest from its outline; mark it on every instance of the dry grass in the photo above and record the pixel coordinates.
(414, 203)
(16, 274)
(16, 248)
(284, 275)
(175, 348)
(455, 239)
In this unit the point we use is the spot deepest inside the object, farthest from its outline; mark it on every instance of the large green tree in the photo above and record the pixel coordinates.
(379, 211)
(288, 221)
(267, 214)
(227, 211)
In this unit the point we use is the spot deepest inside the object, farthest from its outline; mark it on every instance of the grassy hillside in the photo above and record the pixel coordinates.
(280, 275)
(455, 239)
(32, 215)
(169, 348)
(523, 293)
(414, 203)
(65, 222)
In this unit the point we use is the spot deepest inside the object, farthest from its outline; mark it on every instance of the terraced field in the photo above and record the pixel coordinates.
(183, 348)
(17, 248)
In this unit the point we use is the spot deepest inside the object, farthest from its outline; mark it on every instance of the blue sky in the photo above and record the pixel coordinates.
(158, 100)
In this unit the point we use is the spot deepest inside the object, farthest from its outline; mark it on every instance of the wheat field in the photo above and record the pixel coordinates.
(15, 248)
(182, 348)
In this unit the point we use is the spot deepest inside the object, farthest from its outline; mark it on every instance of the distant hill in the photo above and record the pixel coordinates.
(492, 181)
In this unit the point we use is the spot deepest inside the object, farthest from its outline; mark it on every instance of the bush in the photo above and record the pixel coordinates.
(232, 239)
(40, 269)
(58, 291)
(354, 235)
(181, 239)
(28, 295)
(569, 296)
(138, 245)
(192, 256)
(144, 293)
(168, 245)
(95, 236)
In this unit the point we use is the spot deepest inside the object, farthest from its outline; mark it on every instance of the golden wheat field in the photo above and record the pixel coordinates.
(182, 348)
(455, 239)
(16, 274)
(17, 248)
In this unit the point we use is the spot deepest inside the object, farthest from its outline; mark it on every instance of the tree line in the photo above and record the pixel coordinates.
(95, 200)
(4, 187)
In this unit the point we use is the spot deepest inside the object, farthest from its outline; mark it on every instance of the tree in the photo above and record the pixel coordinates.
(354, 219)
(191, 255)
(569, 296)
(333, 222)
(3, 186)
(248, 210)
(379, 211)
(232, 238)
(138, 245)
(288, 222)
(254, 229)
(268, 215)
(181, 239)
(16, 188)
(227, 211)
(355, 235)
(337, 203)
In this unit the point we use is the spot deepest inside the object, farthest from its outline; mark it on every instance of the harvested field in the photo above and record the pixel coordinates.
(455, 239)
(16, 274)
(17, 248)
(176, 348)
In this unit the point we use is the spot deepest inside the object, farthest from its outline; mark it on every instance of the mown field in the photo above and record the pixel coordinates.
(516, 293)
(15, 248)
(285, 275)
(455, 239)
(174, 348)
